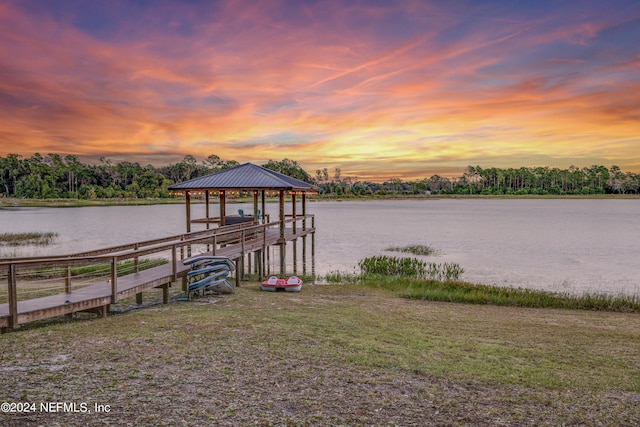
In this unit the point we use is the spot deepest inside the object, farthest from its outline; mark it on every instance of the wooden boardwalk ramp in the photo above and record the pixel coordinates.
(45, 287)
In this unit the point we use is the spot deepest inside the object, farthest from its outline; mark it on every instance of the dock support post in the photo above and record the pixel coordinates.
(281, 211)
(13, 297)
(265, 250)
(242, 254)
(294, 242)
(67, 281)
(114, 280)
(206, 202)
(304, 255)
(304, 211)
(293, 212)
(283, 256)
(223, 208)
(304, 236)
(256, 220)
(165, 293)
(237, 274)
(268, 261)
(313, 247)
(282, 226)
(256, 258)
(174, 262)
(136, 266)
(187, 202)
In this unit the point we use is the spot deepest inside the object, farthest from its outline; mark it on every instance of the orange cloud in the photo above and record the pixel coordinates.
(407, 89)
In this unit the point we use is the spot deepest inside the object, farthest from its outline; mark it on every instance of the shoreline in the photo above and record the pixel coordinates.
(11, 202)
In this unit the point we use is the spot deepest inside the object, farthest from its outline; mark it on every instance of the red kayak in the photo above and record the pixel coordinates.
(273, 283)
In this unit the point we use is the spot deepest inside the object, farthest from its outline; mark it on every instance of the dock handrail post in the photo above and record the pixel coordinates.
(174, 260)
(256, 220)
(114, 280)
(264, 235)
(264, 255)
(313, 246)
(215, 244)
(242, 249)
(67, 281)
(136, 268)
(282, 220)
(13, 296)
(304, 211)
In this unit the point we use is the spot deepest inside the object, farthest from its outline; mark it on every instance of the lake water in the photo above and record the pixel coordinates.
(563, 245)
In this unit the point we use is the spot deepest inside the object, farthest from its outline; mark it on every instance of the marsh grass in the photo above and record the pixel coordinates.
(424, 250)
(415, 279)
(27, 238)
(410, 267)
(462, 292)
(340, 277)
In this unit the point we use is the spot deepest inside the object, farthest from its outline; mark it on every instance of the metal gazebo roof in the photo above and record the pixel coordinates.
(245, 177)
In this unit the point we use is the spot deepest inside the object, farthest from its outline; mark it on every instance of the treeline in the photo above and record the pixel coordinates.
(494, 181)
(55, 176)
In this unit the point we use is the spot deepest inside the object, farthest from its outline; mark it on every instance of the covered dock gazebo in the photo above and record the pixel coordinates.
(252, 180)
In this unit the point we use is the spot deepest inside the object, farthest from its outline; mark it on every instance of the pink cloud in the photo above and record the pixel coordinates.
(417, 85)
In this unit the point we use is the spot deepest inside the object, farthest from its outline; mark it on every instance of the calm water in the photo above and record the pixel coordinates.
(563, 245)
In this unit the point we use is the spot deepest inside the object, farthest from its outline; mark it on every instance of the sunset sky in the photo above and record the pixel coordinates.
(381, 89)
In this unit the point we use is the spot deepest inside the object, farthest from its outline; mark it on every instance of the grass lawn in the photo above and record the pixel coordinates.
(329, 355)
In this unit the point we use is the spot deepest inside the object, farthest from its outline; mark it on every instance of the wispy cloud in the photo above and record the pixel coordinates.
(406, 89)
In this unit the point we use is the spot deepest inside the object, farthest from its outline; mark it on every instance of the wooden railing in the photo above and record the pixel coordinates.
(49, 275)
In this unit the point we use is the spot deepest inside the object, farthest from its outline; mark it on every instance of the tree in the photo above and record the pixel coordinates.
(290, 168)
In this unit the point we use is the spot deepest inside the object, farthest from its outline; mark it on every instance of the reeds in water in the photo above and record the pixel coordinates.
(424, 250)
(27, 238)
(410, 267)
(417, 279)
(520, 297)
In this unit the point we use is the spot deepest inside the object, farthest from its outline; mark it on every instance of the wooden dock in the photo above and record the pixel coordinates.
(75, 292)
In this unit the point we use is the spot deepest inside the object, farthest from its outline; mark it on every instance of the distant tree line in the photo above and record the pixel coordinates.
(54, 176)
(540, 180)
(493, 181)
